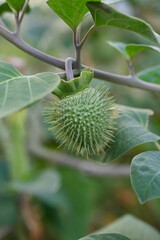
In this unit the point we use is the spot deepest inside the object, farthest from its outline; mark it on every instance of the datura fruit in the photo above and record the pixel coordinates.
(83, 123)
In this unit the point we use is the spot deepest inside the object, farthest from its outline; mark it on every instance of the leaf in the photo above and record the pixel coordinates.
(8, 209)
(104, 15)
(16, 4)
(130, 50)
(45, 186)
(17, 91)
(4, 172)
(7, 71)
(109, 236)
(145, 175)
(136, 229)
(46, 183)
(73, 227)
(4, 8)
(131, 131)
(151, 75)
(70, 11)
(75, 85)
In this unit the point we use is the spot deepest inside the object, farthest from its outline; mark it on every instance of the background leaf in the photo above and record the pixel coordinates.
(104, 15)
(71, 12)
(75, 221)
(131, 131)
(45, 186)
(8, 209)
(151, 75)
(7, 71)
(133, 228)
(110, 236)
(16, 4)
(8, 204)
(17, 91)
(145, 175)
(4, 8)
(130, 50)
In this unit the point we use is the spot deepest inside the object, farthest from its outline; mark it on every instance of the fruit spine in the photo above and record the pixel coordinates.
(83, 123)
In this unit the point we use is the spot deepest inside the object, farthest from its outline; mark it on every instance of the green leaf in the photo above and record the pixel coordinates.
(73, 227)
(45, 186)
(151, 75)
(17, 91)
(135, 230)
(4, 171)
(16, 4)
(109, 236)
(4, 8)
(75, 85)
(8, 209)
(45, 183)
(130, 50)
(70, 11)
(145, 175)
(104, 15)
(131, 131)
(7, 71)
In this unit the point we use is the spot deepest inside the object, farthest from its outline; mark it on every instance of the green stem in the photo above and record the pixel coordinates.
(16, 152)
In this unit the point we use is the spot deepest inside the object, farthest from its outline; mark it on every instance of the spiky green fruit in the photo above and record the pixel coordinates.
(83, 123)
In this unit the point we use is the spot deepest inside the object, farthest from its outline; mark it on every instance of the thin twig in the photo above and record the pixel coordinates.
(88, 167)
(77, 49)
(119, 79)
(23, 11)
(131, 67)
(19, 17)
(86, 35)
(68, 67)
(18, 42)
(17, 23)
(130, 81)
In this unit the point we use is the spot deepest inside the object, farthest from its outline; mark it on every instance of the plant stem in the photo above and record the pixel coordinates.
(23, 11)
(18, 42)
(86, 36)
(76, 35)
(131, 81)
(131, 67)
(87, 167)
(19, 17)
(17, 23)
(15, 146)
(68, 68)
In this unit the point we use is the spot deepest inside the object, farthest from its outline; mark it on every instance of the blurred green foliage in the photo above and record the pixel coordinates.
(81, 204)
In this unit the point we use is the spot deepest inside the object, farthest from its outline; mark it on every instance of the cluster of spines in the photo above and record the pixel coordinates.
(83, 123)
